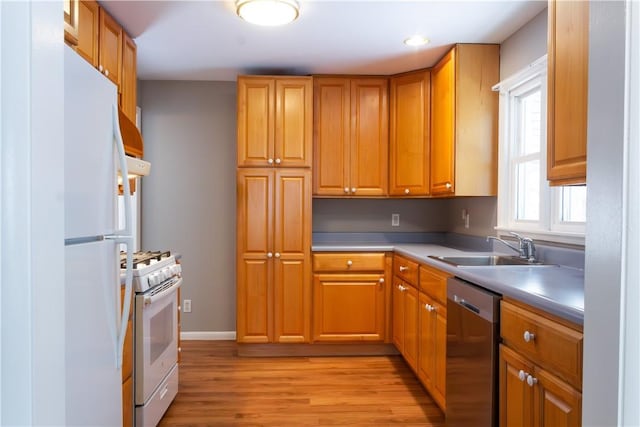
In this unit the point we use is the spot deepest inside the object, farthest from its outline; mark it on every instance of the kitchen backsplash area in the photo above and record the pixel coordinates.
(415, 215)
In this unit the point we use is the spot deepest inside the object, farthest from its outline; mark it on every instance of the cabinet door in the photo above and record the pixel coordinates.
(110, 53)
(294, 122)
(348, 307)
(369, 137)
(88, 30)
(292, 257)
(516, 396)
(426, 353)
(331, 127)
(558, 404)
(440, 356)
(254, 255)
(71, 22)
(127, 403)
(411, 304)
(128, 87)
(397, 296)
(443, 79)
(256, 121)
(409, 134)
(568, 80)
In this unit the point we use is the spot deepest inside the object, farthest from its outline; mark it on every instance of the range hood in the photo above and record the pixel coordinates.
(133, 147)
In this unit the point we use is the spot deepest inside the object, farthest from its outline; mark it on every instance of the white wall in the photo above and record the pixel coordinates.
(604, 234)
(189, 198)
(524, 46)
(32, 298)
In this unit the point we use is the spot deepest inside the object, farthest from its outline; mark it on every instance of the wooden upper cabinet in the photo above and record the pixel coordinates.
(128, 95)
(110, 53)
(331, 134)
(464, 121)
(351, 136)
(409, 120)
(71, 10)
(568, 80)
(88, 31)
(275, 121)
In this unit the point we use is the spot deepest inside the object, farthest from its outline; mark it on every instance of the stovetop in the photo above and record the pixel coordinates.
(144, 258)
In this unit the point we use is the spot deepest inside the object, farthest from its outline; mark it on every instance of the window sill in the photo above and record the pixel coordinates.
(565, 238)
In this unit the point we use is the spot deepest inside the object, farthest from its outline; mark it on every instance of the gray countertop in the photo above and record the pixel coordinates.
(556, 289)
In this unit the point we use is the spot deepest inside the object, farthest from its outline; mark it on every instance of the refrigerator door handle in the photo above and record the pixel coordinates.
(123, 236)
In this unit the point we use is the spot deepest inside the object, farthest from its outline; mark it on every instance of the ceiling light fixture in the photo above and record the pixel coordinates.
(416, 40)
(268, 12)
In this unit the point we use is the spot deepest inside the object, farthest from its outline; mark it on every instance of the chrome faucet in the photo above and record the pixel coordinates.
(526, 249)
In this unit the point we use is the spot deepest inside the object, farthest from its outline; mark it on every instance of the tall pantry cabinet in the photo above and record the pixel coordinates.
(274, 209)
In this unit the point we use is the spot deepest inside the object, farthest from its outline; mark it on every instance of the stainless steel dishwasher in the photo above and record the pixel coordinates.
(472, 348)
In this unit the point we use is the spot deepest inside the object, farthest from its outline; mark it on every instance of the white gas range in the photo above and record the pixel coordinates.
(156, 279)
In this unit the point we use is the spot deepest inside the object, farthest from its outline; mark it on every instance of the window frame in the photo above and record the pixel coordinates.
(549, 227)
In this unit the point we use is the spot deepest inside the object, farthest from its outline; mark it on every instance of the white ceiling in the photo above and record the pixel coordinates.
(206, 40)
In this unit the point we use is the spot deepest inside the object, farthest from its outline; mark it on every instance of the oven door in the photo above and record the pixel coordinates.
(156, 338)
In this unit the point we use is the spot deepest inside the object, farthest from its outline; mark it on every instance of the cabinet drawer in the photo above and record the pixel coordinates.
(433, 282)
(546, 342)
(348, 261)
(406, 269)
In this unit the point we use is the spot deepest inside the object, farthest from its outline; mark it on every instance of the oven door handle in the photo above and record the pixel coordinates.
(150, 299)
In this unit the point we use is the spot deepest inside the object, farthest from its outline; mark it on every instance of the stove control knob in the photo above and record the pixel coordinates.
(153, 280)
(176, 269)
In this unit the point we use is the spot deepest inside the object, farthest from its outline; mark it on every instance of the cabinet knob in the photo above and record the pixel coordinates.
(531, 380)
(346, 189)
(403, 268)
(429, 307)
(270, 161)
(269, 255)
(448, 185)
(106, 73)
(406, 191)
(349, 263)
(278, 161)
(100, 68)
(522, 375)
(529, 336)
(381, 280)
(353, 189)
(277, 255)
(401, 288)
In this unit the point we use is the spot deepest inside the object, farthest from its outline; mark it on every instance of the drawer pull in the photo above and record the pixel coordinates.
(531, 380)
(522, 375)
(403, 268)
(529, 336)
(381, 280)
(349, 263)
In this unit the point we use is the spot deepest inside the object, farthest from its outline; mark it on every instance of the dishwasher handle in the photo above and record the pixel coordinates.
(465, 304)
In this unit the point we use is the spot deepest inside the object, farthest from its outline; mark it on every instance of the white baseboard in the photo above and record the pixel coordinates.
(208, 336)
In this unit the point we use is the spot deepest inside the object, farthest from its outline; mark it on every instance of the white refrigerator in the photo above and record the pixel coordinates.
(95, 323)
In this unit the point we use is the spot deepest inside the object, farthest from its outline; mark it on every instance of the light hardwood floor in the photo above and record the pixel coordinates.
(218, 388)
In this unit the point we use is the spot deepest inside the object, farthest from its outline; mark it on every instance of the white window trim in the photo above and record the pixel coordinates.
(559, 233)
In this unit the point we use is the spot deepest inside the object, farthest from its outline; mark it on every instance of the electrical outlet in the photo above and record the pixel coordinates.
(395, 220)
(187, 306)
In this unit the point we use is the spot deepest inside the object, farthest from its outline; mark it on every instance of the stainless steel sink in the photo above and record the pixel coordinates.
(485, 260)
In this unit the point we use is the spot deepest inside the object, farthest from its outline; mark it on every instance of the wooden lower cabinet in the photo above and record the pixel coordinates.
(127, 403)
(405, 321)
(349, 307)
(540, 368)
(127, 369)
(531, 396)
(433, 348)
(273, 255)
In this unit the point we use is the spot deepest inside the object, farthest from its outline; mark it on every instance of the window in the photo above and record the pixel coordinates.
(526, 202)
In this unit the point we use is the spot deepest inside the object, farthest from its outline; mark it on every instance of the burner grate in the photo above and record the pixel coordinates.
(143, 257)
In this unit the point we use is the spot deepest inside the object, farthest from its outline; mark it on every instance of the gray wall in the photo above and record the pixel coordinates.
(603, 254)
(188, 200)
(524, 46)
(363, 215)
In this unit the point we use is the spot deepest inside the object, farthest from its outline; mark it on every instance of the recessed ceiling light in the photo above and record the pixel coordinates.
(416, 40)
(268, 12)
